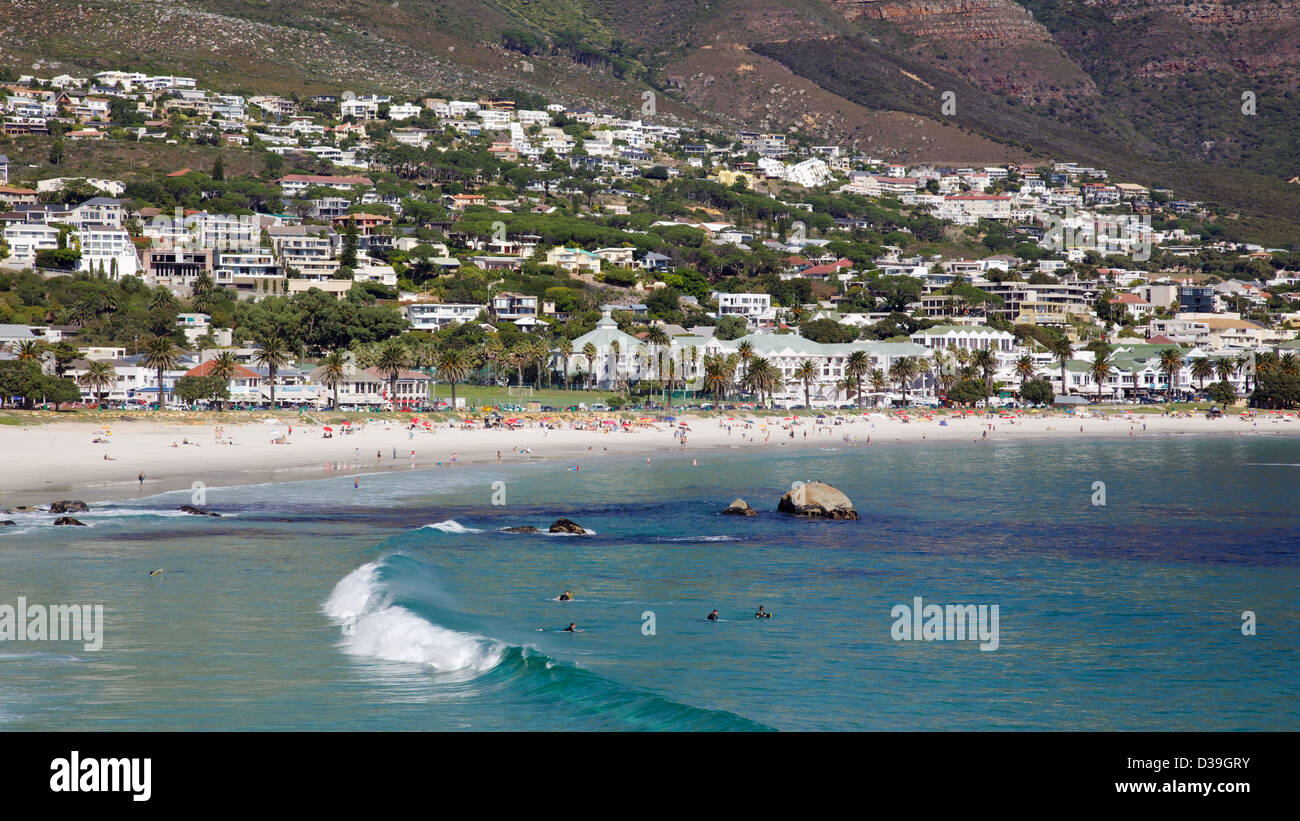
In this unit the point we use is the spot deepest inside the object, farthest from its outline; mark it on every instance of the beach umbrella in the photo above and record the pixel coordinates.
(670, 418)
(328, 429)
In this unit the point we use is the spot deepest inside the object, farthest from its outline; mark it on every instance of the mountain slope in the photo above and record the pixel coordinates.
(1151, 89)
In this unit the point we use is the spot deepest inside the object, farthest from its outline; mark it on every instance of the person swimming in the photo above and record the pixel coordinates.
(762, 614)
(572, 628)
(566, 596)
(713, 616)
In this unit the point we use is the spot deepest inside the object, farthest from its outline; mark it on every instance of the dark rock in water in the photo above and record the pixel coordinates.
(68, 520)
(740, 508)
(197, 511)
(817, 500)
(7, 522)
(520, 529)
(68, 506)
(567, 526)
(24, 509)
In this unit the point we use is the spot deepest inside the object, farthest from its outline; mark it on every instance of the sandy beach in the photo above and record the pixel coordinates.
(46, 462)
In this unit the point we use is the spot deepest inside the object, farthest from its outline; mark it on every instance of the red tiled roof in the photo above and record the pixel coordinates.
(206, 370)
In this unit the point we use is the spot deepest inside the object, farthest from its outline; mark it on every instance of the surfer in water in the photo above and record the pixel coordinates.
(762, 614)
(713, 616)
(566, 596)
(572, 628)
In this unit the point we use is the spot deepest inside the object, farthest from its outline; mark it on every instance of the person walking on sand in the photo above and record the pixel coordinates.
(379, 456)
(141, 478)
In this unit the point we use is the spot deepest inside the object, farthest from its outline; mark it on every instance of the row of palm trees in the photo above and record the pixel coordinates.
(722, 375)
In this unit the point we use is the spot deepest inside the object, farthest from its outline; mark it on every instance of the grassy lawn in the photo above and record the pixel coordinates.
(480, 395)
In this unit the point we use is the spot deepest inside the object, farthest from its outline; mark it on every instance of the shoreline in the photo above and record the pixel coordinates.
(45, 463)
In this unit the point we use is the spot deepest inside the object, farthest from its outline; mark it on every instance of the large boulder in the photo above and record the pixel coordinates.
(68, 506)
(520, 529)
(196, 511)
(740, 508)
(567, 526)
(24, 509)
(817, 500)
(68, 520)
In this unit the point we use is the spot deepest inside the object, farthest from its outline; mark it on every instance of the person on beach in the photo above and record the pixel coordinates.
(356, 481)
(141, 478)
(379, 456)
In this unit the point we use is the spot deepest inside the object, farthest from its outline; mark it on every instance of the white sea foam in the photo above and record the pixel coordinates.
(586, 531)
(374, 628)
(453, 526)
(699, 539)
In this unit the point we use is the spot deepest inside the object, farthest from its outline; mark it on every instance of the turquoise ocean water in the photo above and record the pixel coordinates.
(400, 606)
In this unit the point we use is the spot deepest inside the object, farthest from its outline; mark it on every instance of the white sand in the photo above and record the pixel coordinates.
(42, 463)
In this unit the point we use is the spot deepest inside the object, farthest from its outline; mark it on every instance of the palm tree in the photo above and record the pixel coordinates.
(878, 381)
(1100, 369)
(615, 351)
(1171, 361)
(903, 370)
(81, 312)
(520, 356)
(566, 350)
(203, 283)
(986, 363)
(453, 365)
(161, 355)
(745, 350)
(761, 377)
(332, 373)
(937, 365)
(393, 358)
(100, 376)
(718, 374)
(161, 298)
(494, 353)
(847, 386)
(1062, 351)
(28, 350)
(224, 367)
(806, 372)
(272, 354)
(857, 366)
(1287, 364)
(1202, 369)
(589, 354)
(1226, 367)
(1025, 369)
(657, 339)
(642, 361)
(1245, 363)
(1266, 362)
(541, 350)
